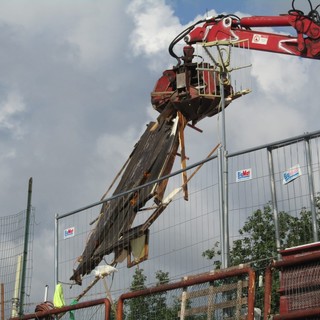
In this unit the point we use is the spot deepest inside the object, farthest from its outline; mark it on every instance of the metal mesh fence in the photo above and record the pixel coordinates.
(301, 286)
(12, 234)
(186, 229)
(172, 247)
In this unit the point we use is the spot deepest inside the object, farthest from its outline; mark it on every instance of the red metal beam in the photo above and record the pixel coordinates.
(300, 314)
(267, 292)
(80, 305)
(308, 257)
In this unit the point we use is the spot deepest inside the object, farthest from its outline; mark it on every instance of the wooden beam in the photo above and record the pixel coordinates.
(182, 125)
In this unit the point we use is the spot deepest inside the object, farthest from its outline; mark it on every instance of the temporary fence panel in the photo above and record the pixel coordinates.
(12, 235)
(177, 238)
(185, 229)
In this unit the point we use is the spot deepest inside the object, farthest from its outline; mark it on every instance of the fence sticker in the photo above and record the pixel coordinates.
(243, 175)
(291, 174)
(69, 233)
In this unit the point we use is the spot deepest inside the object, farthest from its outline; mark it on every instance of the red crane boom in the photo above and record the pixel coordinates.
(305, 44)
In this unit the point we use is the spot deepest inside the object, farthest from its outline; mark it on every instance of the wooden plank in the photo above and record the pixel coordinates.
(239, 297)
(182, 124)
(230, 303)
(221, 289)
(218, 306)
(183, 304)
(195, 311)
(211, 307)
(211, 302)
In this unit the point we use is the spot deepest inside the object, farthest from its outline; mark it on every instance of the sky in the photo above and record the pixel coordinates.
(75, 86)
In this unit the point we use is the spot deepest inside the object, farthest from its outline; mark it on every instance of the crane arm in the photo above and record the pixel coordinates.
(305, 44)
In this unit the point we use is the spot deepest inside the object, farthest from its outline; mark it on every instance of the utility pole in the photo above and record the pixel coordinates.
(25, 249)
(222, 156)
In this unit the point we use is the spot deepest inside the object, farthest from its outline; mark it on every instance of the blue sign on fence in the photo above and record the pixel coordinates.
(68, 233)
(243, 175)
(291, 174)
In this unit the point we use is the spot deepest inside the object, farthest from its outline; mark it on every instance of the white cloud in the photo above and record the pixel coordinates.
(81, 69)
(94, 31)
(110, 146)
(10, 109)
(280, 75)
(282, 104)
(155, 25)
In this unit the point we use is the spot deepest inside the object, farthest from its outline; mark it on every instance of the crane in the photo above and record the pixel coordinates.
(184, 96)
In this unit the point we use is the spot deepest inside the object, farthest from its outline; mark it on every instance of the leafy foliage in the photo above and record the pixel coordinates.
(159, 306)
(258, 245)
(138, 306)
(258, 242)
(155, 306)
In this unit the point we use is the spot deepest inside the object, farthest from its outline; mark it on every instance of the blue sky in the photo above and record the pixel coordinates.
(187, 9)
(75, 86)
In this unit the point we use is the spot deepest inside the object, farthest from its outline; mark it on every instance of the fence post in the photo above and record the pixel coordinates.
(2, 301)
(311, 191)
(56, 248)
(274, 201)
(25, 249)
(223, 177)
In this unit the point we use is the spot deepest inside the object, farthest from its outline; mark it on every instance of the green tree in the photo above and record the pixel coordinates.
(138, 308)
(155, 306)
(158, 301)
(159, 306)
(258, 246)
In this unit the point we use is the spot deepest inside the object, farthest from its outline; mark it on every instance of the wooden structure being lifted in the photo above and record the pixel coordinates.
(183, 96)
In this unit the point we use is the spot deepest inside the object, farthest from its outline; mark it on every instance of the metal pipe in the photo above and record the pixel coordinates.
(45, 293)
(226, 211)
(222, 103)
(266, 21)
(311, 191)
(299, 314)
(121, 194)
(2, 301)
(278, 144)
(15, 297)
(56, 249)
(80, 305)
(307, 257)
(221, 206)
(25, 250)
(224, 182)
(267, 292)
(274, 202)
(107, 309)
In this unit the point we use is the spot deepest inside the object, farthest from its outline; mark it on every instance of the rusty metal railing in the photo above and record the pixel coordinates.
(210, 277)
(299, 287)
(63, 310)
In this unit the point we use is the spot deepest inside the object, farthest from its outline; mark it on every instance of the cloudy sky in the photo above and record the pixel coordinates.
(75, 86)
